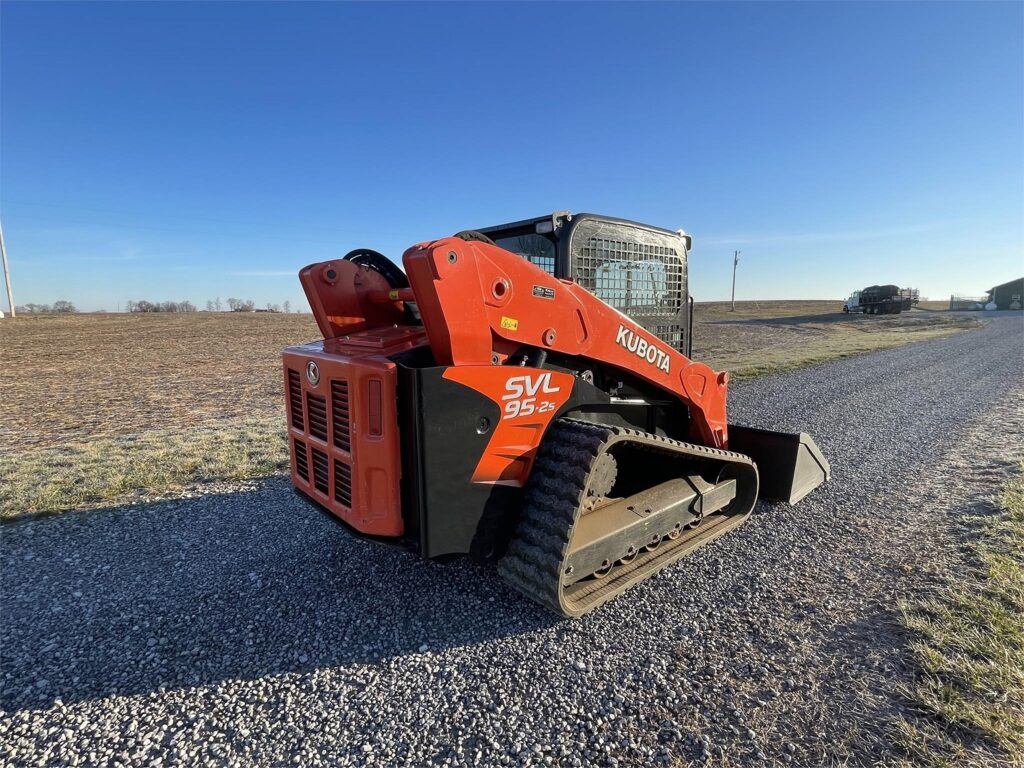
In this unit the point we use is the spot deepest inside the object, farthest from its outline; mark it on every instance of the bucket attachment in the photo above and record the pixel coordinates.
(790, 466)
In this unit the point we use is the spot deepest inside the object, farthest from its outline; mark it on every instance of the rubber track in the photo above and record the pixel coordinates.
(553, 500)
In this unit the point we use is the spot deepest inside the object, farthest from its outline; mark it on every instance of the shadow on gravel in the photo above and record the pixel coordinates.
(870, 664)
(237, 586)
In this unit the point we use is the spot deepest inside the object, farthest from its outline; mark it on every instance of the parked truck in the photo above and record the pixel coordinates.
(882, 300)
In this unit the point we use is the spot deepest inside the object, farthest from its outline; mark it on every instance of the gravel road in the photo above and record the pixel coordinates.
(245, 628)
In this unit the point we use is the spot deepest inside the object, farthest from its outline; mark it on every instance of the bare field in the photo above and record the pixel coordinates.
(100, 409)
(68, 378)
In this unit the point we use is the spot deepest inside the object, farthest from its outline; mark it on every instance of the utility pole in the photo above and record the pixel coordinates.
(7, 271)
(735, 261)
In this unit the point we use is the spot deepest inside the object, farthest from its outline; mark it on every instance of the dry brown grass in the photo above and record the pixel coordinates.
(100, 409)
(935, 306)
(105, 408)
(707, 311)
(771, 336)
(141, 466)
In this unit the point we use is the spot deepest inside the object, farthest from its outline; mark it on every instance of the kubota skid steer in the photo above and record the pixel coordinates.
(521, 394)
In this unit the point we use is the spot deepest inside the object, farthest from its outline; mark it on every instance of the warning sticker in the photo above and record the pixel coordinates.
(509, 323)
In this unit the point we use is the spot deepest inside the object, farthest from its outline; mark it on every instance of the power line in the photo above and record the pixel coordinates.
(7, 272)
(735, 261)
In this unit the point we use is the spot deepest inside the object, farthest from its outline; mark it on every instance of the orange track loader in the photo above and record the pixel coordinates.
(524, 393)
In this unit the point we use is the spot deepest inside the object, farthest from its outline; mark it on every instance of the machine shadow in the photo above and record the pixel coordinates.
(871, 677)
(236, 586)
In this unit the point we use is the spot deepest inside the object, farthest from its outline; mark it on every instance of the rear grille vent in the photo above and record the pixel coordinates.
(295, 398)
(343, 483)
(339, 414)
(316, 406)
(301, 467)
(320, 470)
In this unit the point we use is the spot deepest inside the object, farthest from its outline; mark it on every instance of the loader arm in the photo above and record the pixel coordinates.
(481, 304)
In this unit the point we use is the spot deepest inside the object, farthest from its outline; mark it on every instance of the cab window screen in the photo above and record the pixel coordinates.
(639, 272)
(637, 278)
(536, 249)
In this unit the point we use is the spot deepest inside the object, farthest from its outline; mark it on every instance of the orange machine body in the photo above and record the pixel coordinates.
(383, 413)
(480, 304)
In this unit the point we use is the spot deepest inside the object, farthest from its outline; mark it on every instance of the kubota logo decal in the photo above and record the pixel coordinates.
(521, 395)
(313, 373)
(642, 348)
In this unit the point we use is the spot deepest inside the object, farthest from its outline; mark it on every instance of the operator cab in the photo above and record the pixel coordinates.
(638, 269)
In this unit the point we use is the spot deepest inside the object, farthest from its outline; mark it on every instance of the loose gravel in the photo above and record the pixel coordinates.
(247, 629)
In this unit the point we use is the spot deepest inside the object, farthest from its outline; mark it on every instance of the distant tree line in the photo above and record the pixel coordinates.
(246, 305)
(59, 308)
(160, 306)
(214, 305)
(240, 305)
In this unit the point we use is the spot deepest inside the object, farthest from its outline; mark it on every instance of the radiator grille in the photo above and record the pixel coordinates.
(295, 398)
(300, 460)
(320, 469)
(340, 414)
(343, 483)
(316, 407)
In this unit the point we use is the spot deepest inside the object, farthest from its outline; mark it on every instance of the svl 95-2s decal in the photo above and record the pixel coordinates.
(527, 399)
(521, 396)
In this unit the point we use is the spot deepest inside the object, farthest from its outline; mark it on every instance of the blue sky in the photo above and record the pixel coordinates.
(173, 151)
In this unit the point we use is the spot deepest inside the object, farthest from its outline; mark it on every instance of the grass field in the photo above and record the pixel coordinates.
(770, 336)
(968, 649)
(103, 409)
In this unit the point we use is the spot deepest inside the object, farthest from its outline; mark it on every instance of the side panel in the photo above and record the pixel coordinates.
(442, 444)
(529, 398)
(449, 429)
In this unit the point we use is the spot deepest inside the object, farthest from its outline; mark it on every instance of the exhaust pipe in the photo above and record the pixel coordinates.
(790, 465)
